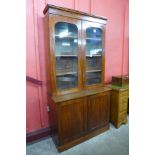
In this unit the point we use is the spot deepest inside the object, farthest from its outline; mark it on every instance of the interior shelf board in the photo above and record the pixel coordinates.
(94, 70)
(74, 37)
(89, 38)
(67, 73)
(93, 55)
(65, 55)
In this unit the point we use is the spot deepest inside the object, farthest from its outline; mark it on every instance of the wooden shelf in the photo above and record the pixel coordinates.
(95, 70)
(98, 39)
(93, 55)
(71, 37)
(67, 73)
(65, 55)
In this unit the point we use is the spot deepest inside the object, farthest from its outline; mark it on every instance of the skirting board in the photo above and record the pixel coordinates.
(36, 135)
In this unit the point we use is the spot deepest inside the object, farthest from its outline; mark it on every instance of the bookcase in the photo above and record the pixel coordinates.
(78, 99)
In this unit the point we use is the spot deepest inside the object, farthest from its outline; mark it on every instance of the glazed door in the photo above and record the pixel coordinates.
(98, 110)
(93, 47)
(66, 54)
(71, 119)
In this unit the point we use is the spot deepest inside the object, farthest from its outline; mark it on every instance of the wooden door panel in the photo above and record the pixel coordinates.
(72, 119)
(91, 63)
(98, 110)
(53, 21)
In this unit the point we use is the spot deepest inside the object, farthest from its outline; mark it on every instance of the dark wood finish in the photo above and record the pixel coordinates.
(77, 14)
(82, 139)
(63, 13)
(85, 25)
(98, 110)
(52, 21)
(120, 80)
(72, 119)
(37, 135)
(80, 94)
(119, 106)
(47, 54)
(56, 14)
(80, 118)
(34, 81)
(79, 113)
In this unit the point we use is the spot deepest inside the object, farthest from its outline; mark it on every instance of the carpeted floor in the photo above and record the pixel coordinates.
(112, 142)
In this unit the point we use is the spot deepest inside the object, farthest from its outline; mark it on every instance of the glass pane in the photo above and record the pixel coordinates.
(93, 32)
(66, 44)
(66, 81)
(63, 29)
(66, 39)
(93, 78)
(93, 63)
(93, 47)
(93, 55)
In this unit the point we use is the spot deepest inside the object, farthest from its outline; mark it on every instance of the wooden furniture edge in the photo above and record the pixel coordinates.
(83, 93)
(82, 139)
(117, 125)
(118, 88)
(71, 10)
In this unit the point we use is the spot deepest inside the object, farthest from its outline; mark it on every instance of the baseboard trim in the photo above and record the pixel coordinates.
(38, 134)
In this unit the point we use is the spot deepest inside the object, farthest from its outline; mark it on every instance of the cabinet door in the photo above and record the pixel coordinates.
(65, 42)
(93, 47)
(71, 119)
(98, 110)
